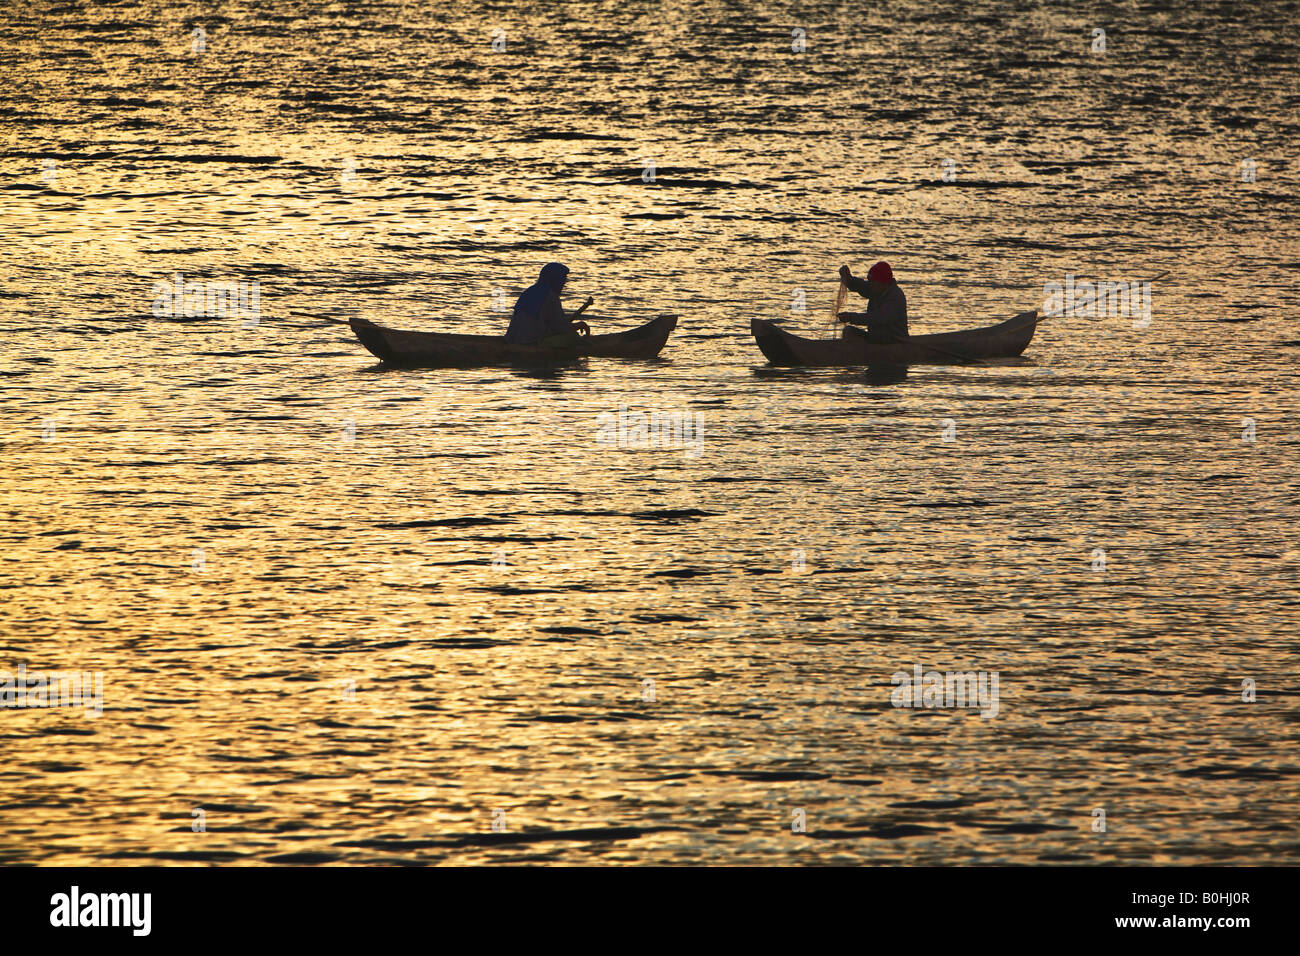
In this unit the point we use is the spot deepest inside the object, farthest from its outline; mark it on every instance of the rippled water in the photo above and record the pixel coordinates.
(281, 555)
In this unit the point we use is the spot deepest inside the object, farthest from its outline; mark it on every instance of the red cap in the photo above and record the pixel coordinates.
(880, 272)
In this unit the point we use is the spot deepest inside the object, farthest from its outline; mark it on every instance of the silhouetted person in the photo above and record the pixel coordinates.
(539, 319)
(886, 315)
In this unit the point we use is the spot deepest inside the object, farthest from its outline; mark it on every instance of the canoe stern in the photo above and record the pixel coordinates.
(374, 339)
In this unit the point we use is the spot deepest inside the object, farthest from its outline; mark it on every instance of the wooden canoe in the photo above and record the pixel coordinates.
(1005, 340)
(448, 350)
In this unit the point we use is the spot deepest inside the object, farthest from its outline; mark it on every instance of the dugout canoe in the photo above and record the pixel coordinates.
(1004, 340)
(449, 350)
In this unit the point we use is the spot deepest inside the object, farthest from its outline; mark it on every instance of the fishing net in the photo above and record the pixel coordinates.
(840, 297)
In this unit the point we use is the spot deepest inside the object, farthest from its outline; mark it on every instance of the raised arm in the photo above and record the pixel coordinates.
(558, 321)
(853, 282)
(581, 309)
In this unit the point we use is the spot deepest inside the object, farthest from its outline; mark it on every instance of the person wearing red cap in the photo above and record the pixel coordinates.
(886, 315)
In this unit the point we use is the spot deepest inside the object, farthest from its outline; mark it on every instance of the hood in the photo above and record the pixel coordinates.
(552, 274)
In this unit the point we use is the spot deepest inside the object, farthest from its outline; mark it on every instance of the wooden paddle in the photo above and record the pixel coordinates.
(964, 358)
(1044, 318)
(581, 309)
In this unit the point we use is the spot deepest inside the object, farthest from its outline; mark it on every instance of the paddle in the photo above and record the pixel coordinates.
(1044, 318)
(963, 358)
(581, 309)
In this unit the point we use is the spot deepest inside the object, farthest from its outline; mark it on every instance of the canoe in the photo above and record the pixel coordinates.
(448, 350)
(1004, 340)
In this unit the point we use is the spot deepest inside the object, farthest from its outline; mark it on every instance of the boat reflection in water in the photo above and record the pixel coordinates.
(886, 374)
(555, 371)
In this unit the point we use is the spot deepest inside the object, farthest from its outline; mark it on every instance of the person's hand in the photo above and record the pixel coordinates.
(845, 316)
(582, 327)
(587, 304)
(845, 274)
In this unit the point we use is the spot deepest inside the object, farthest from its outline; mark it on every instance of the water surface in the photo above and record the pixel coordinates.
(349, 613)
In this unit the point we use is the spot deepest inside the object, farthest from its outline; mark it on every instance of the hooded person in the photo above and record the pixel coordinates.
(886, 315)
(539, 319)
